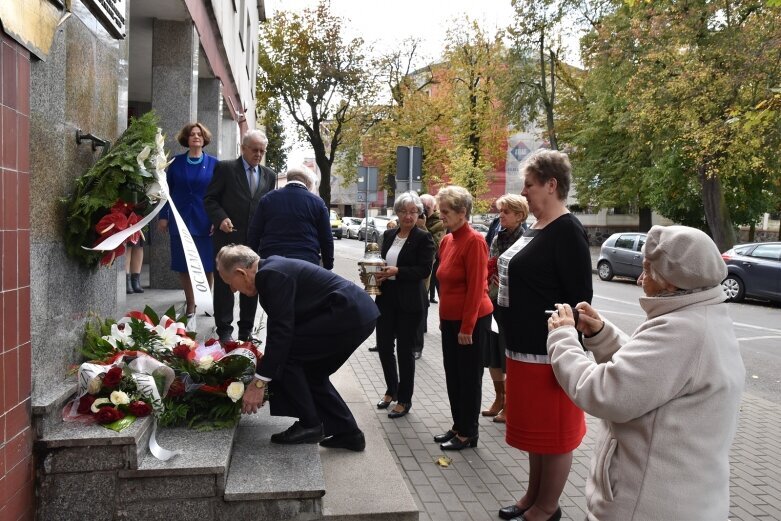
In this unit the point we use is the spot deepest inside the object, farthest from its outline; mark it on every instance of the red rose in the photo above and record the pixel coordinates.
(85, 402)
(108, 415)
(112, 378)
(139, 409)
(176, 389)
(211, 342)
(181, 350)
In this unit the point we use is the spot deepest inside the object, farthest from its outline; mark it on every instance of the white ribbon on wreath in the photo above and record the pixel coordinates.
(159, 191)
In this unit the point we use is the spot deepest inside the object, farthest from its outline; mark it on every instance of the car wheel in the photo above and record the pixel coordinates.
(339, 236)
(605, 270)
(734, 288)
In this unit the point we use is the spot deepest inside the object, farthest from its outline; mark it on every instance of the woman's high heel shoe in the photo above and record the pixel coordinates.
(442, 438)
(456, 443)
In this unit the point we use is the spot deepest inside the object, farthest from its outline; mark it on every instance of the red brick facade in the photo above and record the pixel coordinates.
(16, 466)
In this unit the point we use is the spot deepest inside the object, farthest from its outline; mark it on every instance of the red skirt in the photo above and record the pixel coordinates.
(540, 416)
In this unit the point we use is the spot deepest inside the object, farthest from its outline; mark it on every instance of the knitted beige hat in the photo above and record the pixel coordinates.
(685, 257)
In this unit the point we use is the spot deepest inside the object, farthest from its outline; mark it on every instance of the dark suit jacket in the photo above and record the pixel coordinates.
(408, 291)
(228, 196)
(293, 222)
(187, 192)
(305, 301)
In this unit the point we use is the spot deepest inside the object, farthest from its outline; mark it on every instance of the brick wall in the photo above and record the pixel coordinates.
(16, 467)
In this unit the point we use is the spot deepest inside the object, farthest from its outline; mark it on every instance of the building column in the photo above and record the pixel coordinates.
(229, 137)
(174, 99)
(210, 112)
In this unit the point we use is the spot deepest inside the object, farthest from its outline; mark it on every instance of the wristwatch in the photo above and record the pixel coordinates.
(260, 384)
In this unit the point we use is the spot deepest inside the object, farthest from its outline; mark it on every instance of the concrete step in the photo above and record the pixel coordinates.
(368, 484)
(47, 403)
(269, 481)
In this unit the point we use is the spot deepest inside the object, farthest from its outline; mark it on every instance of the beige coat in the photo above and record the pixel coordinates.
(669, 399)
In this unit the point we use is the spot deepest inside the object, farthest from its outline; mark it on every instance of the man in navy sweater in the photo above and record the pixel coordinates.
(293, 222)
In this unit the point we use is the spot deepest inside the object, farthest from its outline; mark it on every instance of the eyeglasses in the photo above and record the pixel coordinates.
(407, 212)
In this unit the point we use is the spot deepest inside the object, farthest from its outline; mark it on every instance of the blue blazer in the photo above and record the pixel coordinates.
(304, 302)
(292, 222)
(187, 193)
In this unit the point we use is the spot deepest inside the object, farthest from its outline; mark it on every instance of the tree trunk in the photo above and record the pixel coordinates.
(752, 230)
(645, 219)
(325, 176)
(716, 211)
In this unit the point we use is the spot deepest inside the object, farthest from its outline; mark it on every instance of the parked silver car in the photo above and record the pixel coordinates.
(353, 224)
(621, 255)
(754, 270)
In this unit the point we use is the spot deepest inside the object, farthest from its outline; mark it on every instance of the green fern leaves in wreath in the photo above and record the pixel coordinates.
(114, 176)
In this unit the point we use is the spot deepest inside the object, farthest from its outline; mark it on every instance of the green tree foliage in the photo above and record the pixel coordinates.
(271, 118)
(408, 117)
(318, 76)
(676, 107)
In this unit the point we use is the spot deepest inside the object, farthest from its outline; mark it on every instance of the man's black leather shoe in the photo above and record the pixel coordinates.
(350, 441)
(441, 438)
(296, 434)
(511, 511)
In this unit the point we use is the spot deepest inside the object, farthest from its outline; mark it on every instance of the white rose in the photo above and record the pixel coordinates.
(94, 385)
(235, 391)
(119, 398)
(205, 363)
(97, 403)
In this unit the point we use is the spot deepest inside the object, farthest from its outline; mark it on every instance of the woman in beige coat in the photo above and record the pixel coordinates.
(668, 395)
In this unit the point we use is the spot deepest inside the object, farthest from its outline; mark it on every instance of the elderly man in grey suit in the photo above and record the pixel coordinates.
(231, 199)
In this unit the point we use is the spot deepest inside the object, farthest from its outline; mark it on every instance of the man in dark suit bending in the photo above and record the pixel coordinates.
(231, 199)
(316, 320)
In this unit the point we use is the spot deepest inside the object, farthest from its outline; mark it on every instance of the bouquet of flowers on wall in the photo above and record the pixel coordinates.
(184, 383)
(111, 196)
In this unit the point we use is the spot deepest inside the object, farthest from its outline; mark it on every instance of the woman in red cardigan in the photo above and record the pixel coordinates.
(464, 315)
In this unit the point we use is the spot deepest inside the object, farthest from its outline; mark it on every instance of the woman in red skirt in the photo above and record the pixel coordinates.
(550, 263)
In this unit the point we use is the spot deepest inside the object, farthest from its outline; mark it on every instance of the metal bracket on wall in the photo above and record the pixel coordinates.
(96, 141)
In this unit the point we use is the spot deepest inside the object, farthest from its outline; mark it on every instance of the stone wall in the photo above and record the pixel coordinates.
(79, 86)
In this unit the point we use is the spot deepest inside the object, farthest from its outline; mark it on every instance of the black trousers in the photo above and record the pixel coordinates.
(433, 285)
(464, 373)
(422, 328)
(304, 390)
(223, 310)
(401, 326)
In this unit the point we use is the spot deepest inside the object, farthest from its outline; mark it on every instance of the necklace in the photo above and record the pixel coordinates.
(195, 161)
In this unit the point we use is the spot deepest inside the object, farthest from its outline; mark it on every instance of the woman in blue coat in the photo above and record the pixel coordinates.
(188, 176)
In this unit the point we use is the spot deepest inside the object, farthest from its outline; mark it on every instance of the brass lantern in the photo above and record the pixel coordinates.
(371, 263)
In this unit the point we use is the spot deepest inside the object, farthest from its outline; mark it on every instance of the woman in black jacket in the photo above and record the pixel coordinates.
(409, 252)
